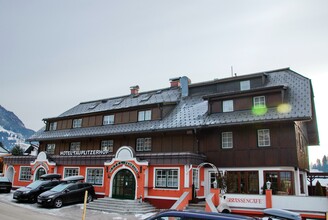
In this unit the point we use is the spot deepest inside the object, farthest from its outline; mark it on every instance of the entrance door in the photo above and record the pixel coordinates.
(124, 185)
(210, 178)
(39, 173)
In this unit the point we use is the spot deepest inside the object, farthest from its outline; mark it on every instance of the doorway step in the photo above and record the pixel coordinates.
(123, 206)
(200, 206)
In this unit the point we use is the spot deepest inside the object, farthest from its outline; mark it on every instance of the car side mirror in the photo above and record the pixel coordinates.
(66, 190)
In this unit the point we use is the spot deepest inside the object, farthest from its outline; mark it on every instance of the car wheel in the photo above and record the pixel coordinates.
(58, 203)
(90, 198)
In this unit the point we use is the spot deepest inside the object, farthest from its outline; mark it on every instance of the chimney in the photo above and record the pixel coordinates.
(134, 90)
(175, 82)
(185, 81)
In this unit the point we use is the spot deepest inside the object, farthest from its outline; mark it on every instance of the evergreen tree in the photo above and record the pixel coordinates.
(318, 189)
(17, 151)
(324, 164)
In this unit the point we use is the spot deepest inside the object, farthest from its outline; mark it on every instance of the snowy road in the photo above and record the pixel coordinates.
(12, 210)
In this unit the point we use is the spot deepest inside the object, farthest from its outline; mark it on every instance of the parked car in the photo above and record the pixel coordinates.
(196, 215)
(72, 190)
(5, 185)
(31, 192)
(273, 213)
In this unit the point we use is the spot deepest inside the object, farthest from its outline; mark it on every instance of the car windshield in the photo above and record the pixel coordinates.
(35, 184)
(60, 187)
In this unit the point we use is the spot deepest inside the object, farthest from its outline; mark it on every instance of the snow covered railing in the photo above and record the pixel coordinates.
(182, 202)
(210, 207)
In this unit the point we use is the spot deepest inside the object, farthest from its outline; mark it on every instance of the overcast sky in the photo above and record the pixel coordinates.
(56, 54)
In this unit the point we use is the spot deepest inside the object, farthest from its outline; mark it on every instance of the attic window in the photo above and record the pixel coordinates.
(145, 98)
(117, 102)
(52, 126)
(245, 85)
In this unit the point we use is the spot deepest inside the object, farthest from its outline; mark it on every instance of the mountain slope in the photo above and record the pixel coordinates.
(12, 129)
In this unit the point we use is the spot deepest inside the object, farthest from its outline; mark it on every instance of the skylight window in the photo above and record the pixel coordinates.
(117, 102)
(94, 105)
(145, 98)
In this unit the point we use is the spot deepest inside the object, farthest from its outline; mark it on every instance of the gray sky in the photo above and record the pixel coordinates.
(56, 54)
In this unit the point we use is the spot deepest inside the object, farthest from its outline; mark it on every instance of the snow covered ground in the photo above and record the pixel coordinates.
(74, 211)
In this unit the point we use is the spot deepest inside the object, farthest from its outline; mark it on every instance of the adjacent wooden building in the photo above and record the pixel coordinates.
(238, 132)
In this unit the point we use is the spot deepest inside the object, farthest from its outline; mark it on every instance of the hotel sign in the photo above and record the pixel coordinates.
(127, 163)
(84, 152)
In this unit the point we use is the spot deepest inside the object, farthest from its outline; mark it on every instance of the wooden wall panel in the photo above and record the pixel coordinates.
(126, 117)
(99, 120)
(273, 100)
(243, 103)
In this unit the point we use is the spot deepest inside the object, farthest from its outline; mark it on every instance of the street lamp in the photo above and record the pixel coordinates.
(268, 185)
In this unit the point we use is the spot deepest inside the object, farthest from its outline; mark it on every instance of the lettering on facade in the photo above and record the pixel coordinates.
(244, 200)
(84, 152)
(127, 163)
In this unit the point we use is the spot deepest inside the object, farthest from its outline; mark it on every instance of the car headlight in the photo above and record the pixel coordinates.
(50, 197)
(26, 192)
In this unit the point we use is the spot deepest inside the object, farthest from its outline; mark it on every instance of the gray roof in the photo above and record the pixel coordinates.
(191, 111)
(143, 99)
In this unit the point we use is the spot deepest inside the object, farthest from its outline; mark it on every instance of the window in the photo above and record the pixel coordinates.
(243, 182)
(75, 146)
(95, 176)
(50, 148)
(302, 183)
(263, 137)
(144, 115)
(195, 178)
(227, 106)
(259, 101)
(143, 144)
(281, 182)
(167, 178)
(227, 140)
(107, 145)
(53, 126)
(71, 172)
(25, 173)
(77, 123)
(108, 120)
(245, 85)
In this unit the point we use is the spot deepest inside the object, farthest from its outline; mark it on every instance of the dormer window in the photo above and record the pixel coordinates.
(259, 101)
(77, 123)
(53, 126)
(227, 106)
(108, 120)
(144, 115)
(245, 85)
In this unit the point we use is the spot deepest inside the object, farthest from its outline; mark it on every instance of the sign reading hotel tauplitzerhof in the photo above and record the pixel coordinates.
(84, 152)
